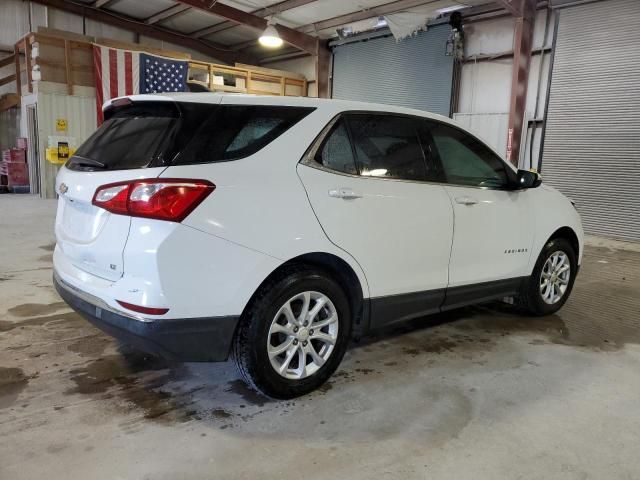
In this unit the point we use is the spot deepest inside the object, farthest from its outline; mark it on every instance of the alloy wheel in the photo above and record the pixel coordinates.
(555, 276)
(302, 335)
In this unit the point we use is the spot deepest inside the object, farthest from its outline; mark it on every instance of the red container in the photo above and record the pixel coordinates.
(14, 155)
(17, 174)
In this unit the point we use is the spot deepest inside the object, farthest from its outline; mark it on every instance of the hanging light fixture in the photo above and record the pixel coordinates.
(270, 37)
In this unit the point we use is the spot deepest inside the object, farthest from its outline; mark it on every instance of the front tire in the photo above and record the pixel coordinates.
(294, 333)
(552, 279)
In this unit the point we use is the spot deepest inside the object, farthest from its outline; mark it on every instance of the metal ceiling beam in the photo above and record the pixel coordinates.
(263, 12)
(167, 13)
(293, 37)
(127, 23)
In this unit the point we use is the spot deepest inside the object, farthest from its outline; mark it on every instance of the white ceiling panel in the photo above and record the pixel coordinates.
(190, 21)
(324, 9)
(234, 35)
(140, 9)
(251, 5)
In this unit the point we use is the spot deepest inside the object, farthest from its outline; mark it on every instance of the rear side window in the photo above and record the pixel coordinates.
(231, 132)
(155, 134)
(387, 146)
(336, 153)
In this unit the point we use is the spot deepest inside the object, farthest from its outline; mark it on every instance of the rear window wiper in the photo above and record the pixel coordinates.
(86, 162)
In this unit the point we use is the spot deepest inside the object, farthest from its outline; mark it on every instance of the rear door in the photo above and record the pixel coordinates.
(134, 142)
(366, 182)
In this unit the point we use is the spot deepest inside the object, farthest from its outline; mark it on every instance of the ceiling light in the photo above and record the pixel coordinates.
(270, 37)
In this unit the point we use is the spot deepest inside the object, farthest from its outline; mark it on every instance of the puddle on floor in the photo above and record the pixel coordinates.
(133, 382)
(12, 382)
(36, 309)
(63, 320)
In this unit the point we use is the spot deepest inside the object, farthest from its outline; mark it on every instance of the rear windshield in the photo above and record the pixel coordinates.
(156, 134)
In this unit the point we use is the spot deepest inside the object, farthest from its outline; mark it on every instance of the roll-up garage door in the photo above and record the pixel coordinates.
(414, 72)
(592, 140)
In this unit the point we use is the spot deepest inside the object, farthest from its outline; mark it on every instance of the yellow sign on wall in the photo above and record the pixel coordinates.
(61, 124)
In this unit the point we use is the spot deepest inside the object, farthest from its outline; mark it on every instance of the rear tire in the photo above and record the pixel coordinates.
(282, 352)
(552, 279)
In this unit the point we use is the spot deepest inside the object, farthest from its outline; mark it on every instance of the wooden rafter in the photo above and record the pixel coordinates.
(263, 12)
(514, 7)
(167, 13)
(378, 11)
(103, 3)
(127, 23)
(293, 37)
(340, 20)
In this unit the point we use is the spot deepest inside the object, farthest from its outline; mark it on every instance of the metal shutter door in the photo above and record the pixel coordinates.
(592, 141)
(412, 73)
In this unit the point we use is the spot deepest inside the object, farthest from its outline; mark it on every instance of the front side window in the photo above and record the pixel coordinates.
(335, 153)
(467, 161)
(387, 146)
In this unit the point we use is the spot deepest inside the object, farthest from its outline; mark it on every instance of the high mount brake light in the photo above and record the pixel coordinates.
(170, 199)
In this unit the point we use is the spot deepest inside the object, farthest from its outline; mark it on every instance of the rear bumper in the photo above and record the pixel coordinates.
(205, 339)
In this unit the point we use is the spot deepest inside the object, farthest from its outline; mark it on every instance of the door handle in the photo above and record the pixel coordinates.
(466, 200)
(344, 193)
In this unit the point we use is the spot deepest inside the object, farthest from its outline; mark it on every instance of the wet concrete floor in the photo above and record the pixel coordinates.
(482, 392)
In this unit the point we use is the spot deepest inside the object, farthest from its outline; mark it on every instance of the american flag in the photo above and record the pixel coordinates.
(125, 72)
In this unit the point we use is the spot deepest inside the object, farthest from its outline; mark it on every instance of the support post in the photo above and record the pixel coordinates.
(323, 60)
(523, 42)
(67, 67)
(16, 52)
(27, 63)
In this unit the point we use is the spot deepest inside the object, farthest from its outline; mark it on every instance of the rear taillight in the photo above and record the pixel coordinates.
(169, 199)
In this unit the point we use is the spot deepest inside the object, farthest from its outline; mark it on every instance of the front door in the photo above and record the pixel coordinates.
(366, 184)
(493, 231)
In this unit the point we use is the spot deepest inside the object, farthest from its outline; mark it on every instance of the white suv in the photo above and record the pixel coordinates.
(275, 229)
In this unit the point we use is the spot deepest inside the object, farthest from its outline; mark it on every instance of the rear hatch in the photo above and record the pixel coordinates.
(136, 141)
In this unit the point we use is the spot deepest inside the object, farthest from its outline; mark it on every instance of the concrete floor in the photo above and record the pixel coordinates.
(480, 393)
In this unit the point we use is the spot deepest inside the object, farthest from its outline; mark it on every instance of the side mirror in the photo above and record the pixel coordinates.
(528, 179)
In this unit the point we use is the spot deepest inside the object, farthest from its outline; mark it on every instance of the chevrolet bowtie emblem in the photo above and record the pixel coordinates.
(63, 188)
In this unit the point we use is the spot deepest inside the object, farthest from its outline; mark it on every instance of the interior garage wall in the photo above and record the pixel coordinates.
(9, 127)
(20, 17)
(592, 141)
(485, 84)
(15, 21)
(414, 72)
(305, 66)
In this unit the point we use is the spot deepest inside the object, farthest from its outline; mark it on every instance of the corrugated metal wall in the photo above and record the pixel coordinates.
(412, 73)
(592, 144)
(80, 113)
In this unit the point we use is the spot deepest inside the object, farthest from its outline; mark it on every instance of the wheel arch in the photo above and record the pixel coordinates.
(340, 270)
(569, 234)
(565, 231)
